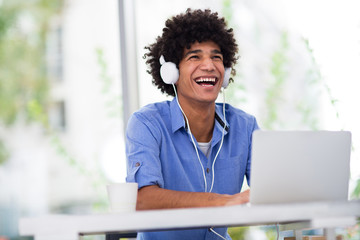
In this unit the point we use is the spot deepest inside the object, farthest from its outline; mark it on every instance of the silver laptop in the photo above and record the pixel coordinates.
(299, 166)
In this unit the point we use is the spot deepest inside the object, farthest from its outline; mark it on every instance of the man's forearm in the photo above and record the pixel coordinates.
(154, 197)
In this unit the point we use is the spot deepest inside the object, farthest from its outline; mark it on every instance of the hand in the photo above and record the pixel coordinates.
(239, 198)
(154, 197)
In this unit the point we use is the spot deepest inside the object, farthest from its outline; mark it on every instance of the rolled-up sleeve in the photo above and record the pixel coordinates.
(254, 127)
(142, 151)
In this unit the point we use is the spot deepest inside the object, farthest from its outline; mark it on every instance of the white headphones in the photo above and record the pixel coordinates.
(170, 74)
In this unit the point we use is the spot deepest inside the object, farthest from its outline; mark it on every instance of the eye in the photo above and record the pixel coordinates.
(194, 57)
(217, 57)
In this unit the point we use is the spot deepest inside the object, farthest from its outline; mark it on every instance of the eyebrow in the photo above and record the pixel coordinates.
(215, 51)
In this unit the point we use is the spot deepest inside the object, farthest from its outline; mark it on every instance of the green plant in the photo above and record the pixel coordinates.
(23, 28)
(312, 81)
(112, 101)
(314, 78)
(353, 233)
(237, 91)
(317, 78)
(4, 153)
(274, 92)
(237, 233)
(356, 192)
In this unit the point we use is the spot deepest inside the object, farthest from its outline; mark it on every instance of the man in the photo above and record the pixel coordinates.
(191, 151)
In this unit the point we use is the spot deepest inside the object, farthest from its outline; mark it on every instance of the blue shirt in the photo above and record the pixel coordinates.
(160, 152)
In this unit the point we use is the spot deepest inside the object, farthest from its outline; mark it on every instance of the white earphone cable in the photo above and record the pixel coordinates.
(222, 141)
(192, 139)
(211, 229)
(197, 152)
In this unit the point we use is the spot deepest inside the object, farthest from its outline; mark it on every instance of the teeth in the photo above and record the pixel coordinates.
(206, 80)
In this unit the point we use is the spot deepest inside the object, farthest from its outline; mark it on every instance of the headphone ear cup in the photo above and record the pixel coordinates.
(169, 73)
(227, 74)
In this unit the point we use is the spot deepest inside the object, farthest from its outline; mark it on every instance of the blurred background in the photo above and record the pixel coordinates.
(72, 71)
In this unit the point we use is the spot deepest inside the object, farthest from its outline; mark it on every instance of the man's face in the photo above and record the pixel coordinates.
(201, 73)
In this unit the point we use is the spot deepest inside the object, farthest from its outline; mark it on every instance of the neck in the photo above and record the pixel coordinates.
(201, 119)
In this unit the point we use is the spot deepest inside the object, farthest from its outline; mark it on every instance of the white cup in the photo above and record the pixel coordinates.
(122, 197)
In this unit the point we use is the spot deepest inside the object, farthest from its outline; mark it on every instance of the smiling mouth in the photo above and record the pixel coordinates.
(206, 81)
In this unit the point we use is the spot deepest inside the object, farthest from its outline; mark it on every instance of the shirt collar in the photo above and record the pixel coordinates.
(177, 118)
(219, 117)
(178, 121)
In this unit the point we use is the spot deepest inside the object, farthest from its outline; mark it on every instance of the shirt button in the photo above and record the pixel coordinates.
(207, 170)
(137, 164)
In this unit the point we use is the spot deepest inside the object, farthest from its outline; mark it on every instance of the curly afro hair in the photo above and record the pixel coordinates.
(180, 32)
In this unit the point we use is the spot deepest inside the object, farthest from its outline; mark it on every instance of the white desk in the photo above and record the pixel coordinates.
(307, 215)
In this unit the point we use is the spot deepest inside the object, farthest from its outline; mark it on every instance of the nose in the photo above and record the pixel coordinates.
(207, 64)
